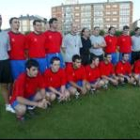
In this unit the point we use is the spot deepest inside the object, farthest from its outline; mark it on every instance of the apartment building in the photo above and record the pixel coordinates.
(89, 15)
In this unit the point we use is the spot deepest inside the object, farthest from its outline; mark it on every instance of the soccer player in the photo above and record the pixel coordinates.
(107, 71)
(54, 42)
(93, 74)
(55, 79)
(36, 45)
(125, 43)
(5, 69)
(86, 43)
(28, 90)
(136, 45)
(98, 44)
(71, 44)
(137, 71)
(124, 70)
(17, 52)
(76, 77)
(111, 45)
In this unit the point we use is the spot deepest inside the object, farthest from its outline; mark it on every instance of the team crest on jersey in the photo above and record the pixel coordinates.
(50, 37)
(35, 40)
(89, 74)
(110, 40)
(123, 39)
(13, 40)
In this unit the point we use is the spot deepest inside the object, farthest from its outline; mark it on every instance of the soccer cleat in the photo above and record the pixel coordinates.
(9, 109)
(92, 91)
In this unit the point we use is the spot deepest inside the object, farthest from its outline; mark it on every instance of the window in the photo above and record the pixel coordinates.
(125, 6)
(107, 19)
(124, 20)
(114, 19)
(115, 13)
(108, 13)
(86, 14)
(77, 8)
(98, 13)
(98, 7)
(86, 8)
(77, 14)
(125, 12)
(98, 20)
(108, 6)
(115, 6)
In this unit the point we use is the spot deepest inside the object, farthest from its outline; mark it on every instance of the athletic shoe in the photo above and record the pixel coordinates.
(9, 108)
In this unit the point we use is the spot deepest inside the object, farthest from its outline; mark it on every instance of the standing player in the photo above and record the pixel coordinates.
(107, 71)
(55, 79)
(125, 43)
(76, 76)
(54, 42)
(111, 45)
(124, 70)
(35, 44)
(5, 69)
(17, 52)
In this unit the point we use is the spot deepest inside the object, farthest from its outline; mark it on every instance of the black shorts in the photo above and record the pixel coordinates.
(5, 72)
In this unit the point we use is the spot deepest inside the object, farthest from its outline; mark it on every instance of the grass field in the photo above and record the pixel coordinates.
(109, 114)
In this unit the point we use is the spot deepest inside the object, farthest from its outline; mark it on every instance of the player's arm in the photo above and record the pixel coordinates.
(54, 91)
(75, 85)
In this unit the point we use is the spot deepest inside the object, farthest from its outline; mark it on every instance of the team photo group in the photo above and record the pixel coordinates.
(41, 67)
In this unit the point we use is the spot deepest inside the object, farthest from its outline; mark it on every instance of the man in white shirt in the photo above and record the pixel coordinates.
(71, 44)
(98, 44)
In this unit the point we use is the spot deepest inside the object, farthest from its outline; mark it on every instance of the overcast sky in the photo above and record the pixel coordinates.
(10, 8)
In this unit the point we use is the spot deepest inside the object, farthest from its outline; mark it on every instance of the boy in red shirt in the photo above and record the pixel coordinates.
(55, 79)
(125, 43)
(28, 90)
(54, 42)
(107, 71)
(124, 70)
(93, 74)
(137, 71)
(76, 77)
(36, 45)
(18, 48)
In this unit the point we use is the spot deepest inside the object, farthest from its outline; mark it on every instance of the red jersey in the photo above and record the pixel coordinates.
(26, 87)
(36, 45)
(54, 42)
(92, 74)
(55, 80)
(17, 43)
(137, 67)
(123, 68)
(75, 75)
(125, 44)
(111, 42)
(106, 69)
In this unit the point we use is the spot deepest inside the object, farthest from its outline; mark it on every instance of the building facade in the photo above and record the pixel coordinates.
(26, 23)
(89, 15)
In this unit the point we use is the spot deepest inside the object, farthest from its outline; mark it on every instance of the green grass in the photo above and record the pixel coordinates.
(111, 114)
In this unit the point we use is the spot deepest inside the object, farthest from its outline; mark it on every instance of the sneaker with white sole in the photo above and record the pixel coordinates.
(10, 109)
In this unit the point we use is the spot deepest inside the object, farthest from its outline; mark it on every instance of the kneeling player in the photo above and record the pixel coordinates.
(76, 76)
(55, 80)
(93, 75)
(28, 90)
(107, 71)
(124, 70)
